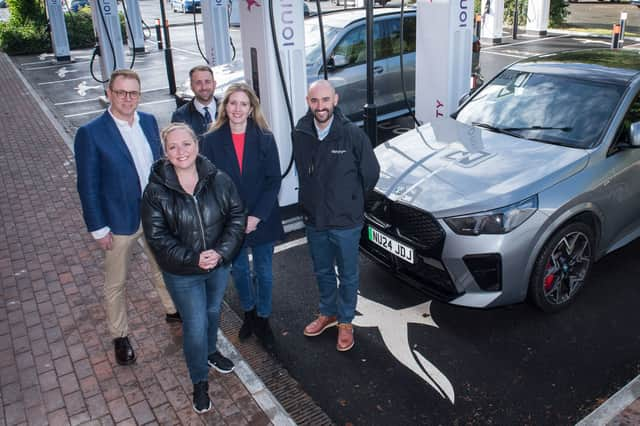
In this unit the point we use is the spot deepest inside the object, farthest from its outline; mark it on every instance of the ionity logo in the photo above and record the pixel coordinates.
(251, 3)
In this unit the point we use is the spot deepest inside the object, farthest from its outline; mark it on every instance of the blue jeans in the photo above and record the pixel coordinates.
(198, 299)
(254, 292)
(331, 248)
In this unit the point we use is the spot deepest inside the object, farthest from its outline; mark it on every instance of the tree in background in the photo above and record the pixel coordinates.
(26, 12)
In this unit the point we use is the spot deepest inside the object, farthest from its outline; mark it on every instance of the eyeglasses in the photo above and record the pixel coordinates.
(121, 94)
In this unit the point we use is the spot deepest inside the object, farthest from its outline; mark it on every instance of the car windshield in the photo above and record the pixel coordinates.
(312, 43)
(543, 107)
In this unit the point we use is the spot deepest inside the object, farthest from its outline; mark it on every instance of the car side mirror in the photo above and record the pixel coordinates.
(634, 134)
(339, 61)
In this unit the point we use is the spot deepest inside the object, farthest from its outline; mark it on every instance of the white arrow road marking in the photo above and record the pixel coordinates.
(392, 324)
(64, 71)
(83, 88)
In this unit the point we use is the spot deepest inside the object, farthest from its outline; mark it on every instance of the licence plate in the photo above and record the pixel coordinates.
(392, 246)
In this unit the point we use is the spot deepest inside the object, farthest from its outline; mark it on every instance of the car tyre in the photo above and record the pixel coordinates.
(562, 267)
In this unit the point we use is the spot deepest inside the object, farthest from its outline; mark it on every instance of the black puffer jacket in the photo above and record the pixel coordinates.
(178, 226)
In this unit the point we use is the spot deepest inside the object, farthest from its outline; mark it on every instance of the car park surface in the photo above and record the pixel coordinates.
(509, 365)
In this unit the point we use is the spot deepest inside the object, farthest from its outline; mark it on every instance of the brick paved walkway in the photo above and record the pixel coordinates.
(56, 356)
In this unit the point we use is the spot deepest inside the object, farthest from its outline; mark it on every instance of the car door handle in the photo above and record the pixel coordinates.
(378, 70)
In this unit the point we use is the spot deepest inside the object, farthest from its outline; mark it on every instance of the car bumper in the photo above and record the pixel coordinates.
(474, 271)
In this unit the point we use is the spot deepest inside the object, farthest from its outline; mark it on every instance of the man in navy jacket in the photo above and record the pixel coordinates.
(202, 109)
(114, 153)
(336, 168)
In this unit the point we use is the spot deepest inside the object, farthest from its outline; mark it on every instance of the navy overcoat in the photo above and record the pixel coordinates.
(259, 182)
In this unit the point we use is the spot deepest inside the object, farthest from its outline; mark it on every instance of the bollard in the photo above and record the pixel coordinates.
(615, 37)
(514, 33)
(159, 34)
(623, 24)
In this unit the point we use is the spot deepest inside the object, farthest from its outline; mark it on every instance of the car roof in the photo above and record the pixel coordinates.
(342, 18)
(617, 66)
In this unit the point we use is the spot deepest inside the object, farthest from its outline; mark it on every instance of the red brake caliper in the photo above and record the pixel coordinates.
(548, 280)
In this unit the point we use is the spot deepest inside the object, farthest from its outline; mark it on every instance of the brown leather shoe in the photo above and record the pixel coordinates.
(345, 337)
(320, 324)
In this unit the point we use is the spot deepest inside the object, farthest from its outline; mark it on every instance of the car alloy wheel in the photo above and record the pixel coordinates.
(562, 267)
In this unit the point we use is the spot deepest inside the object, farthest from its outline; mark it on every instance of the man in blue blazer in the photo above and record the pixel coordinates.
(114, 153)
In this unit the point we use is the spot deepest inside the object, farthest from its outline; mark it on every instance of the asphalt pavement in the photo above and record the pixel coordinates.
(511, 365)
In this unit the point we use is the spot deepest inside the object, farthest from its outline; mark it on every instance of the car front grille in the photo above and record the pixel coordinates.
(414, 226)
(417, 229)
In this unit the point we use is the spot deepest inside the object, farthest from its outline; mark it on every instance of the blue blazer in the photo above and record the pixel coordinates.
(108, 182)
(259, 182)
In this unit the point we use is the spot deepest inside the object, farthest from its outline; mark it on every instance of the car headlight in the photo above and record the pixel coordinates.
(500, 221)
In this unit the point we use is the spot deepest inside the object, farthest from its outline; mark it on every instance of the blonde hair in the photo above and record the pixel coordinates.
(172, 128)
(256, 114)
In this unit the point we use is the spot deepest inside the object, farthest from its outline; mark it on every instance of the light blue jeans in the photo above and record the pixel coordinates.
(330, 248)
(198, 299)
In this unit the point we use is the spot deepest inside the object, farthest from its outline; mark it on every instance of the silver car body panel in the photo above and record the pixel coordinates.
(460, 169)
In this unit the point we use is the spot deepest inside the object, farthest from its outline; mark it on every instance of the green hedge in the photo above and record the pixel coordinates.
(33, 38)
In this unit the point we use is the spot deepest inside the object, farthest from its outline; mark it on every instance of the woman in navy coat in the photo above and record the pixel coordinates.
(241, 144)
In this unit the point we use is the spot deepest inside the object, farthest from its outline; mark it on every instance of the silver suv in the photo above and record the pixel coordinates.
(532, 180)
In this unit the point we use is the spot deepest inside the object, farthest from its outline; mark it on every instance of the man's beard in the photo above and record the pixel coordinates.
(329, 115)
(203, 100)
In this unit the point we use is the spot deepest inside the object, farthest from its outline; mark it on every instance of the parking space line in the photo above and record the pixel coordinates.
(524, 42)
(44, 83)
(77, 102)
(53, 66)
(290, 244)
(155, 89)
(511, 55)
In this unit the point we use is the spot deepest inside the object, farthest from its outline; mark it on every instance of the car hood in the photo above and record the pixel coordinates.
(460, 169)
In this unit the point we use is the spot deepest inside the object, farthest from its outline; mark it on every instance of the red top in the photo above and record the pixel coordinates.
(238, 144)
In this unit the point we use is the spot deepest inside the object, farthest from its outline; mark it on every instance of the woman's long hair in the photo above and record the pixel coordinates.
(256, 113)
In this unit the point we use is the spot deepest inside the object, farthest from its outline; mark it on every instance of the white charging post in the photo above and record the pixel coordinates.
(444, 34)
(134, 26)
(492, 20)
(106, 24)
(261, 72)
(58, 28)
(538, 16)
(215, 24)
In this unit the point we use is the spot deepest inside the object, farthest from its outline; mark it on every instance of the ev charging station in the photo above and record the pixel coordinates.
(58, 27)
(262, 73)
(538, 16)
(215, 25)
(444, 32)
(106, 24)
(492, 20)
(134, 26)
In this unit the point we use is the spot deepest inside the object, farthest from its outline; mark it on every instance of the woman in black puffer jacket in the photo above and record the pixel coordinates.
(194, 221)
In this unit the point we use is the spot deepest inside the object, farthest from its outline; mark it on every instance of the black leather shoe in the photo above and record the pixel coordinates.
(175, 317)
(124, 352)
(247, 325)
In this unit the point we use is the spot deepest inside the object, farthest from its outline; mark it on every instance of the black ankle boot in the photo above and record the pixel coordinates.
(263, 332)
(248, 324)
